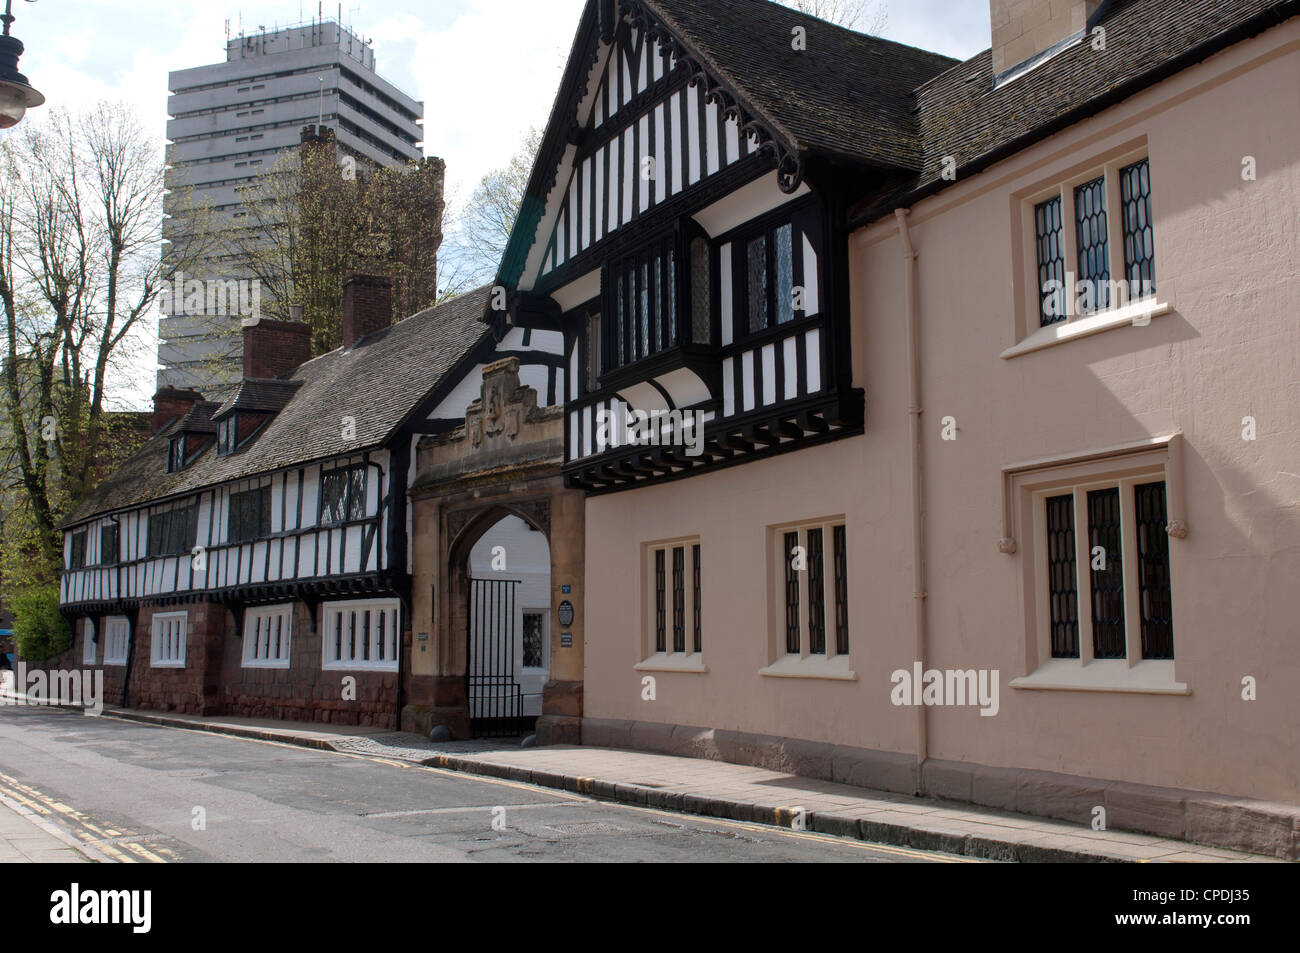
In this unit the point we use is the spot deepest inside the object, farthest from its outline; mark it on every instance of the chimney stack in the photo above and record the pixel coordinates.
(275, 348)
(367, 306)
(169, 404)
(1028, 31)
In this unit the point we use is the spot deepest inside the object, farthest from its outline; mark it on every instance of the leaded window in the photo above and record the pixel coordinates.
(769, 278)
(679, 599)
(661, 599)
(343, 495)
(534, 636)
(109, 544)
(173, 532)
(1051, 261)
(1106, 553)
(1154, 596)
(645, 303)
(816, 593)
(695, 602)
(77, 555)
(840, 543)
(1092, 236)
(791, 592)
(701, 291)
(1139, 236)
(1063, 592)
(250, 515)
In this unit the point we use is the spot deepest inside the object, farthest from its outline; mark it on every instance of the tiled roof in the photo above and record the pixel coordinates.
(378, 382)
(199, 418)
(261, 395)
(960, 114)
(846, 94)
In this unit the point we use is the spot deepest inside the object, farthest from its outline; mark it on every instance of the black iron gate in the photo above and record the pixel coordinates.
(496, 699)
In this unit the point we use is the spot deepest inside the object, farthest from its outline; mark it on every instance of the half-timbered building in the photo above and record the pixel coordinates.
(254, 557)
(871, 493)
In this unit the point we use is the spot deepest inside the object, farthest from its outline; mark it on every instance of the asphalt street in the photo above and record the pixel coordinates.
(141, 793)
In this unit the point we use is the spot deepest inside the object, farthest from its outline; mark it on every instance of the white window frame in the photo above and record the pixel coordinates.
(110, 624)
(805, 663)
(331, 611)
(1030, 334)
(668, 660)
(88, 647)
(260, 624)
(167, 648)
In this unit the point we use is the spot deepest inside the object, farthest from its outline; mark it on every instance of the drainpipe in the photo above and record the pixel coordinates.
(914, 410)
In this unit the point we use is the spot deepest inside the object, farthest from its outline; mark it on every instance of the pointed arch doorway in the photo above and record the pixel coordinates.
(497, 560)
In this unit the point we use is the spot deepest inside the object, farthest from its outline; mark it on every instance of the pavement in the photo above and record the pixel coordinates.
(732, 791)
(26, 837)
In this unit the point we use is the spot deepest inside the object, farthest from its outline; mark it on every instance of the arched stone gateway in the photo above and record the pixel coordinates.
(495, 623)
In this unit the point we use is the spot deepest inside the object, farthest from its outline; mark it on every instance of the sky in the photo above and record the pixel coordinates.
(486, 70)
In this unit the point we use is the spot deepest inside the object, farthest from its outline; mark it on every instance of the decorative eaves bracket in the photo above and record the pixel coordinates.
(789, 163)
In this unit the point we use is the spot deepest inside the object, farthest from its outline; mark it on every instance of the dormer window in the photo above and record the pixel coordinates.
(227, 435)
(176, 454)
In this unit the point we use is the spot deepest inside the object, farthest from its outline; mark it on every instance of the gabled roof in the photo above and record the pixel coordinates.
(847, 95)
(379, 383)
(960, 114)
(199, 419)
(266, 396)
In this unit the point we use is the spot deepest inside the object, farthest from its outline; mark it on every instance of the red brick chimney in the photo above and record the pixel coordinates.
(367, 306)
(171, 403)
(275, 348)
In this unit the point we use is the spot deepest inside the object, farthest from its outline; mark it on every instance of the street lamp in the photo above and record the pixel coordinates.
(16, 95)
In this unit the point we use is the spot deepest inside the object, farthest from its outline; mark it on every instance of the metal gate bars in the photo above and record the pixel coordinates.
(494, 693)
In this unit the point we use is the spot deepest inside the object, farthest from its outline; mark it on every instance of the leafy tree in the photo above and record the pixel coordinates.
(482, 228)
(316, 217)
(40, 631)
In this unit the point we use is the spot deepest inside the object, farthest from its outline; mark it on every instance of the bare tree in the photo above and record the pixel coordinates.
(80, 266)
(482, 228)
(865, 16)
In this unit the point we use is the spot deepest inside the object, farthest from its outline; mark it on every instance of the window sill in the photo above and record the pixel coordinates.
(114, 662)
(156, 664)
(673, 662)
(1153, 677)
(249, 663)
(811, 666)
(1134, 313)
(359, 667)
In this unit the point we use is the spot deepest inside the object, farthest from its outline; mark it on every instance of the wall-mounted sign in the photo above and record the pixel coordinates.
(566, 589)
(566, 613)
(566, 640)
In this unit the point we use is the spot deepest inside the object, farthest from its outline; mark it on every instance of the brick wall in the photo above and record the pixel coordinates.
(305, 691)
(193, 689)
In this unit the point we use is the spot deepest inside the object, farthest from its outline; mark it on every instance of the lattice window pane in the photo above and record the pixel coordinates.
(756, 266)
(1094, 247)
(1139, 236)
(1155, 598)
(679, 599)
(1107, 581)
(660, 595)
(1050, 242)
(784, 274)
(1062, 577)
(695, 568)
(816, 593)
(701, 292)
(533, 625)
(791, 595)
(840, 543)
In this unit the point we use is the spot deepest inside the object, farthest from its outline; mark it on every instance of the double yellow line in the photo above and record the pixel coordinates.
(98, 842)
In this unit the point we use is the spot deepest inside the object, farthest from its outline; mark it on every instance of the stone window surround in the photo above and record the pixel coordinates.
(1026, 487)
(804, 664)
(157, 658)
(252, 616)
(668, 660)
(1029, 336)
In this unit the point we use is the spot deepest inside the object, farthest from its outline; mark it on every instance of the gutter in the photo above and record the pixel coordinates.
(914, 411)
